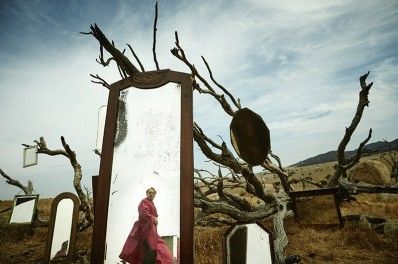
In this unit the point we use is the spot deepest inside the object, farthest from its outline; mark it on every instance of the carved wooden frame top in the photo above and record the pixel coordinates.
(147, 80)
(240, 223)
(50, 233)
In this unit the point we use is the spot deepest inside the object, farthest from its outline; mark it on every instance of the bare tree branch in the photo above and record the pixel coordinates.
(361, 187)
(179, 53)
(85, 205)
(277, 160)
(236, 103)
(26, 189)
(118, 56)
(101, 81)
(136, 58)
(154, 36)
(342, 163)
(281, 240)
(96, 151)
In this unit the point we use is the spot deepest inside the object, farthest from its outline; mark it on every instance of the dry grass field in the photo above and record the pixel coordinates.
(355, 242)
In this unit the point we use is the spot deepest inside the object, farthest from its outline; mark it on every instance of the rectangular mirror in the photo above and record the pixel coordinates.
(317, 207)
(29, 156)
(146, 173)
(24, 208)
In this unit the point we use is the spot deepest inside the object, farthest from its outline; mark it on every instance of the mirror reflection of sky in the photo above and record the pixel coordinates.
(62, 226)
(149, 156)
(296, 64)
(23, 212)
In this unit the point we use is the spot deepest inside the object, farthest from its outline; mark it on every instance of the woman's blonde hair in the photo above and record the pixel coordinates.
(151, 188)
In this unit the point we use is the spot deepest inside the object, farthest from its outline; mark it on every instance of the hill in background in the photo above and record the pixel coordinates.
(372, 148)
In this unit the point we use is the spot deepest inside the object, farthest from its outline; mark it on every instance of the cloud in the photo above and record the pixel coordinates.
(295, 64)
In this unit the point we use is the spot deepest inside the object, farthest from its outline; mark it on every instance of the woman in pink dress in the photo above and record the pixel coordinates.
(144, 245)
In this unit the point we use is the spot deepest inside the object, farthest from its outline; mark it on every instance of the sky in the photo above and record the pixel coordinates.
(295, 63)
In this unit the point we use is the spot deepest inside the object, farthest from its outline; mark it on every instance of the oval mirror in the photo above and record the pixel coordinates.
(248, 243)
(23, 209)
(250, 136)
(62, 228)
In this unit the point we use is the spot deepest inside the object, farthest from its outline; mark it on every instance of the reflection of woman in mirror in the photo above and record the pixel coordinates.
(144, 245)
(63, 252)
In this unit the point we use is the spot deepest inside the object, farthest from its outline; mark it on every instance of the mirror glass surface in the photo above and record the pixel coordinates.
(146, 154)
(248, 244)
(317, 210)
(24, 207)
(30, 156)
(62, 229)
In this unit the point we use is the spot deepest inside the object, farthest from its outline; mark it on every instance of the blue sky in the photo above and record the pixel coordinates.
(296, 63)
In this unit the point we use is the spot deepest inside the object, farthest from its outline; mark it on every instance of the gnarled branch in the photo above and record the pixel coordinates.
(342, 163)
(26, 189)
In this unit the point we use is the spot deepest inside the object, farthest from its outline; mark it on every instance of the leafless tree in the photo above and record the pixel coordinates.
(28, 189)
(344, 163)
(392, 160)
(85, 205)
(214, 193)
(339, 178)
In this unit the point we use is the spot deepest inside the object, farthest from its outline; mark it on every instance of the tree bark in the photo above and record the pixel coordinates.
(344, 164)
(85, 205)
(26, 189)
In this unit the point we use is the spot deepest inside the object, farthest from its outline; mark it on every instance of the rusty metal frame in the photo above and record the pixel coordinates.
(317, 192)
(147, 80)
(50, 233)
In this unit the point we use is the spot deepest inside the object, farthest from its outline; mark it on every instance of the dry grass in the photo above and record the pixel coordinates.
(314, 243)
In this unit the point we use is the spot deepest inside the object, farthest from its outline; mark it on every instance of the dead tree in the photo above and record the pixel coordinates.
(36, 221)
(85, 205)
(213, 194)
(26, 189)
(344, 163)
(339, 178)
(392, 160)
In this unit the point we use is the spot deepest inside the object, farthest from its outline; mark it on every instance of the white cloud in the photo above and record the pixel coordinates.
(296, 63)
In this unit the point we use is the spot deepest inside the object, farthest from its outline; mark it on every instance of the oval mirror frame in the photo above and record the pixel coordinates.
(51, 226)
(234, 228)
(146, 80)
(250, 136)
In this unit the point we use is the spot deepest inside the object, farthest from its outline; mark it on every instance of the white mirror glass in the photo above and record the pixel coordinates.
(146, 154)
(29, 156)
(248, 244)
(62, 229)
(24, 207)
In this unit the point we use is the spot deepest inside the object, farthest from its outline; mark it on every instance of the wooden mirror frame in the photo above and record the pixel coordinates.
(225, 242)
(34, 208)
(147, 80)
(51, 225)
(317, 192)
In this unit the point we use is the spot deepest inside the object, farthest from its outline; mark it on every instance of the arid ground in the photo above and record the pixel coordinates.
(355, 242)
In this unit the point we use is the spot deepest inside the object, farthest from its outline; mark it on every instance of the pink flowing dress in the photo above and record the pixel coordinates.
(145, 229)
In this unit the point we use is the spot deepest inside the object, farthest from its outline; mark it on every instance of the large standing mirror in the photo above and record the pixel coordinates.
(62, 228)
(145, 185)
(24, 208)
(248, 243)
